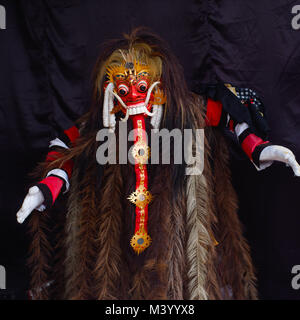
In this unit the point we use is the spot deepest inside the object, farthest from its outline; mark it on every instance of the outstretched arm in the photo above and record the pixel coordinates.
(261, 153)
(44, 193)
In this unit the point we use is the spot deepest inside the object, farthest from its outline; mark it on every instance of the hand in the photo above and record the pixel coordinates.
(33, 200)
(282, 154)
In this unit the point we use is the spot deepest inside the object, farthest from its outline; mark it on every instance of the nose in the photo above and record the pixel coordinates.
(133, 93)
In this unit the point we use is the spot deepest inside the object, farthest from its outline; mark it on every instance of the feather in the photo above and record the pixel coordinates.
(83, 282)
(108, 254)
(40, 254)
(72, 242)
(177, 265)
(198, 237)
(200, 249)
(58, 216)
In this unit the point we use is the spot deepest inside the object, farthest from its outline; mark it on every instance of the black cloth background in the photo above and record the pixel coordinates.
(46, 57)
(252, 44)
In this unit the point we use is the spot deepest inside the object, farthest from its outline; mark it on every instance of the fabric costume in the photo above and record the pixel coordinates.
(145, 231)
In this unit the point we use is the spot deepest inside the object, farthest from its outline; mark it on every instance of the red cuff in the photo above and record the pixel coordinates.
(53, 155)
(67, 166)
(250, 143)
(213, 112)
(72, 133)
(51, 187)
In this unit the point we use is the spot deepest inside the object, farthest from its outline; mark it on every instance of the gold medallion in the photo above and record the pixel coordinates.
(140, 241)
(141, 152)
(140, 197)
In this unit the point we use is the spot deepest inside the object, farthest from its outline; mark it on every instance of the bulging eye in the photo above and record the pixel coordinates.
(142, 86)
(122, 90)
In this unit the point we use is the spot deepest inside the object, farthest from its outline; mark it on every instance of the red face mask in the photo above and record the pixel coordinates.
(131, 89)
(133, 92)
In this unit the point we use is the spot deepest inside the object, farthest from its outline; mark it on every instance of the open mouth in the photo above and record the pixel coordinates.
(136, 108)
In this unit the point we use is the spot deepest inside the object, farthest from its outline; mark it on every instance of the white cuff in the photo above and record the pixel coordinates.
(41, 208)
(58, 143)
(62, 174)
(240, 128)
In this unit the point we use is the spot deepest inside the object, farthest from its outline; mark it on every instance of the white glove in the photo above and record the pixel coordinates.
(282, 154)
(33, 200)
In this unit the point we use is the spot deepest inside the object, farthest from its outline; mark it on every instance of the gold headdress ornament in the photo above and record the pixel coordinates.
(136, 60)
(122, 71)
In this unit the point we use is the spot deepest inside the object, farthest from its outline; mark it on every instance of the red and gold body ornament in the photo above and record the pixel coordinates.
(141, 197)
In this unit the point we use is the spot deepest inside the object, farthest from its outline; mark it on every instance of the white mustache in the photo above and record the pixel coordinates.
(109, 120)
(137, 109)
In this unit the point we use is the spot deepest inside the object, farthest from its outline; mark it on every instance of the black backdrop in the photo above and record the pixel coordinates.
(46, 56)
